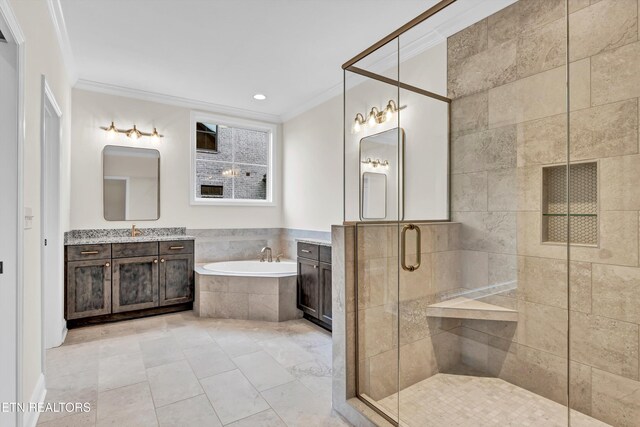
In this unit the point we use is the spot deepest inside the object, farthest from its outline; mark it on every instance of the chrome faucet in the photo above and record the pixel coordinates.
(266, 249)
(278, 257)
(135, 232)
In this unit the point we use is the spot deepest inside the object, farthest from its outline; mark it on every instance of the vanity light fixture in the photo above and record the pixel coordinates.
(376, 116)
(132, 133)
(377, 162)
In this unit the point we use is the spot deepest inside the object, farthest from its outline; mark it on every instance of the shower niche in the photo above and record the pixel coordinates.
(582, 207)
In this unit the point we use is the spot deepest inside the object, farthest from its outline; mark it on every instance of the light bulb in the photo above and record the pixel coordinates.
(356, 126)
(155, 135)
(372, 119)
(388, 115)
(111, 131)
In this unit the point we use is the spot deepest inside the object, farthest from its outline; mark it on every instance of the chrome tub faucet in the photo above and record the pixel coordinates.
(266, 249)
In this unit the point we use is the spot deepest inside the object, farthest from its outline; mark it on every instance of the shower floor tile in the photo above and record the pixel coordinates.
(460, 400)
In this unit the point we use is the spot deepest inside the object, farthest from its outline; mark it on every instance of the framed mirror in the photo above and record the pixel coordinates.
(131, 183)
(381, 165)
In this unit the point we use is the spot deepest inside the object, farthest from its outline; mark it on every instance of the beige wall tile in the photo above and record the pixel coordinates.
(542, 48)
(417, 362)
(502, 268)
(469, 114)
(469, 191)
(502, 186)
(575, 5)
(606, 344)
(543, 141)
(377, 282)
(504, 25)
(529, 238)
(614, 75)
(378, 329)
(616, 292)
(540, 95)
(617, 244)
(485, 150)
(498, 334)
(604, 131)
(544, 281)
(475, 269)
(580, 387)
(468, 42)
(535, 13)
(619, 178)
(383, 374)
(377, 241)
(615, 399)
(446, 271)
(488, 231)
(529, 197)
(415, 284)
(489, 68)
(543, 327)
(602, 26)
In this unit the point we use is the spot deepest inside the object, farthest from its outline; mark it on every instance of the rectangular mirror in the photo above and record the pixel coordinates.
(381, 175)
(131, 183)
(374, 195)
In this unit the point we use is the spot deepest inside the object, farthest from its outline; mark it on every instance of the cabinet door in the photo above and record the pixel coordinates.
(308, 287)
(88, 288)
(176, 279)
(325, 293)
(135, 283)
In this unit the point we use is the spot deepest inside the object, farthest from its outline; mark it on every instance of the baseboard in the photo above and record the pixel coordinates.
(30, 418)
(64, 333)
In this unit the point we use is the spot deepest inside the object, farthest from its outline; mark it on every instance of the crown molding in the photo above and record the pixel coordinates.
(60, 26)
(14, 30)
(177, 101)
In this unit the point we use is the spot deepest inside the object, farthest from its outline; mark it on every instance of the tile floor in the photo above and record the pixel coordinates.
(180, 370)
(467, 400)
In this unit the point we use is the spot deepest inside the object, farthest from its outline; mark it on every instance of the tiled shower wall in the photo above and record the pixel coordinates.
(217, 244)
(506, 75)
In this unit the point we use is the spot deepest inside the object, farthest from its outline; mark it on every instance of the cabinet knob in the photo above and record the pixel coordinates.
(155, 261)
(162, 260)
(107, 265)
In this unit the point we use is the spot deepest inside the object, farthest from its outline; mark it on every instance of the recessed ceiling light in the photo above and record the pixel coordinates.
(259, 97)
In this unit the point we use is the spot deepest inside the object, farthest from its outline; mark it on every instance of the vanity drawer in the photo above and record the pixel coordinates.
(325, 254)
(176, 247)
(127, 250)
(88, 252)
(307, 250)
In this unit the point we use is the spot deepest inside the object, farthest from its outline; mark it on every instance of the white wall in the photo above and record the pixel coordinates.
(92, 110)
(312, 175)
(43, 56)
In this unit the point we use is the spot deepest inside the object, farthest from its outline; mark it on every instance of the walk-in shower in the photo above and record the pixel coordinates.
(491, 183)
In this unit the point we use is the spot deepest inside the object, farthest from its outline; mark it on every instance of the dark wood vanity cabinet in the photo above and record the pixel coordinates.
(314, 283)
(122, 280)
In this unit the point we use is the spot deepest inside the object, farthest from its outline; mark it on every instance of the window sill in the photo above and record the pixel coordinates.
(228, 202)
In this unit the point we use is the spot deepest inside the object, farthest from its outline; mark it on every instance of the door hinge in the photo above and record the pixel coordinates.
(1, 267)
(45, 242)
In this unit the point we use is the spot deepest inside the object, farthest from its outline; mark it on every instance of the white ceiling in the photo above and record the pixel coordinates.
(224, 51)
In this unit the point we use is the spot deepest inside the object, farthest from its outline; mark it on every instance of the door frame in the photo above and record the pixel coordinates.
(50, 338)
(15, 33)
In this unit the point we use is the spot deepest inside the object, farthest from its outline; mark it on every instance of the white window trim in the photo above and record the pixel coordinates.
(272, 129)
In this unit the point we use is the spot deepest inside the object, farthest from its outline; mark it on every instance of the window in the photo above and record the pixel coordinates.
(231, 161)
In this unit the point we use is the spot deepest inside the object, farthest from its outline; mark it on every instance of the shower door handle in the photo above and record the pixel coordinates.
(403, 250)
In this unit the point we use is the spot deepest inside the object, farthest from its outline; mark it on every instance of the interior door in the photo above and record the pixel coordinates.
(8, 223)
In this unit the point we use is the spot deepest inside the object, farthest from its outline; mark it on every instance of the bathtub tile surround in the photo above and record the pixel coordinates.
(271, 299)
(123, 235)
(245, 243)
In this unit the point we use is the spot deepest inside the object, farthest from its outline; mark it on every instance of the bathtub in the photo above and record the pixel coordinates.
(252, 268)
(250, 290)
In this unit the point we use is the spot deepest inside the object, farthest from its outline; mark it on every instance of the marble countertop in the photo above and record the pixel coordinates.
(315, 241)
(123, 239)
